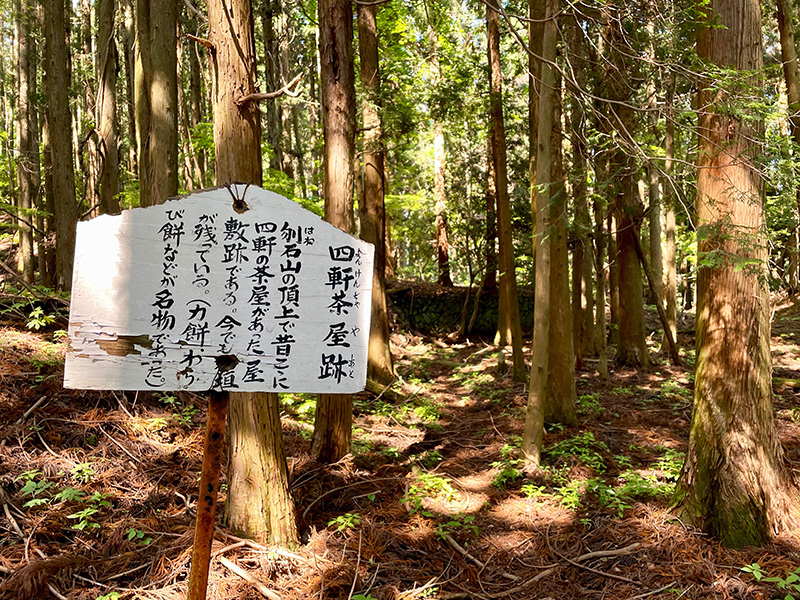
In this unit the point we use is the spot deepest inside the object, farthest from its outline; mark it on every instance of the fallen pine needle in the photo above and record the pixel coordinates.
(234, 568)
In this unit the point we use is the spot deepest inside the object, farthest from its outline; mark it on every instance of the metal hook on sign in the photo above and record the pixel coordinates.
(239, 205)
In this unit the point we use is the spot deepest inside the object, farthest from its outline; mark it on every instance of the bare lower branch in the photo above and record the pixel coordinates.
(257, 97)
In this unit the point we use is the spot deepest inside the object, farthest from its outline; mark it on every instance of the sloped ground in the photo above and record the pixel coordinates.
(97, 489)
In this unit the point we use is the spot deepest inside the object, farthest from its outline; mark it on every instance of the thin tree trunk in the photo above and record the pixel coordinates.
(670, 247)
(108, 126)
(600, 292)
(509, 325)
(790, 73)
(28, 161)
(734, 484)
(334, 413)
(127, 37)
(561, 399)
(372, 209)
(197, 112)
(259, 502)
(66, 211)
(157, 100)
(439, 164)
(272, 69)
(533, 434)
(583, 333)
(490, 278)
(627, 207)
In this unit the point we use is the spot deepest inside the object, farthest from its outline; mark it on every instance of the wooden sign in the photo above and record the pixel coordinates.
(200, 294)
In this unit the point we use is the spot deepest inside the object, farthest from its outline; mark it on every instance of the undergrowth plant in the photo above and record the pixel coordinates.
(458, 524)
(789, 584)
(584, 447)
(428, 485)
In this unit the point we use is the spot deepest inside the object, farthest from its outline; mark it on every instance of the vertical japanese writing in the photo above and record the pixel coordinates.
(343, 280)
(289, 301)
(263, 245)
(162, 317)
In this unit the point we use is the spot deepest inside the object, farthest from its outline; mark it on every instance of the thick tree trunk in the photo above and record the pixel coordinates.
(60, 119)
(334, 414)
(792, 79)
(28, 161)
(157, 100)
(259, 502)
(734, 484)
(508, 321)
(108, 126)
(372, 210)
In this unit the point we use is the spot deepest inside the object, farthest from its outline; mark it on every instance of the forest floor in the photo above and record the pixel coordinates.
(97, 489)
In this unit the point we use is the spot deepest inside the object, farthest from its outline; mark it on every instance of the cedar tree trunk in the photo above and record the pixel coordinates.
(372, 210)
(60, 121)
(259, 502)
(334, 413)
(734, 484)
(508, 322)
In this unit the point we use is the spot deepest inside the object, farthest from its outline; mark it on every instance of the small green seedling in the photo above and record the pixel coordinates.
(346, 521)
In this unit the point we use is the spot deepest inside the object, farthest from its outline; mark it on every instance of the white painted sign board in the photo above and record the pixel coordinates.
(194, 295)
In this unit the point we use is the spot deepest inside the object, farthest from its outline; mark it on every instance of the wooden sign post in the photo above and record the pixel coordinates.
(234, 289)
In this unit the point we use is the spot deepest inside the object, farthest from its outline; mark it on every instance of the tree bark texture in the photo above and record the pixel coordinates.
(533, 434)
(561, 398)
(439, 164)
(490, 277)
(508, 321)
(259, 503)
(670, 229)
(60, 121)
(734, 484)
(792, 79)
(628, 208)
(28, 161)
(157, 100)
(372, 210)
(583, 328)
(108, 125)
(334, 413)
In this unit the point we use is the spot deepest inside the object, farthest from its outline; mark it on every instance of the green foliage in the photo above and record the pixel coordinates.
(110, 596)
(583, 447)
(138, 536)
(38, 319)
(533, 491)
(83, 472)
(83, 517)
(428, 485)
(346, 521)
(69, 494)
(790, 584)
(671, 463)
(508, 467)
(457, 524)
(589, 402)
